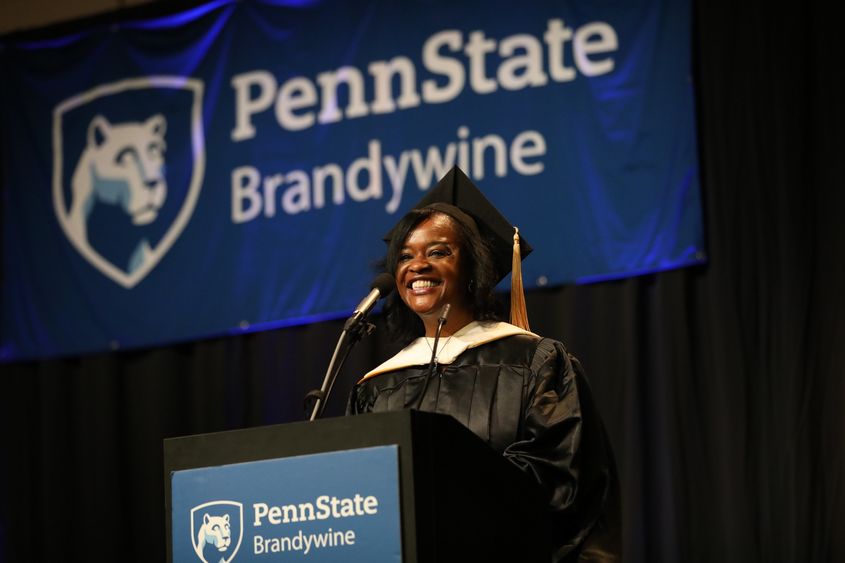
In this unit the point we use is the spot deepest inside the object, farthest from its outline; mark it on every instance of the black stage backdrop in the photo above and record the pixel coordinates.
(721, 386)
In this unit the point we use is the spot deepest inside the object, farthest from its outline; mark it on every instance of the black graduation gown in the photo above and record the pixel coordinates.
(530, 401)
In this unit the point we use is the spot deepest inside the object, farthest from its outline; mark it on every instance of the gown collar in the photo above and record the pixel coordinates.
(418, 352)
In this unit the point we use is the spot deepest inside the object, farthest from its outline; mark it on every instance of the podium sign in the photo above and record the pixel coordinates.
(370, 479)
(333, 506)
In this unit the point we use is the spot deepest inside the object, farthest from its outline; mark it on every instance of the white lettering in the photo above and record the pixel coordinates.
(323, 510)
(271, 183)
(297, 198)
(584, 45)
(296, 541)
(296, 94)
(527, 144)
(246, 106)
(260, 511)
(303, 542)
(275, 515)
(371, 505)
(447, 66)
(521, 71)
(245, 182)
(363, 181)
(396, 171)
(326, 507)
(463, 147)
(481, 144)
(435, 165)
(372, 165)
(329, 82)
(477, 50)
(289, 513)
(321, 174)
(383, 73)
(306, 512)
(514, 63)
(555, 37)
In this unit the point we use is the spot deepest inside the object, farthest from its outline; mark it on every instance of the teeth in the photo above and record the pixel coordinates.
(422, 284)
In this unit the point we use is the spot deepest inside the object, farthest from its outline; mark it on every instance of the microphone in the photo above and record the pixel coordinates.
(354, 330)
(381, 287)
(432, 365)
(444, 315)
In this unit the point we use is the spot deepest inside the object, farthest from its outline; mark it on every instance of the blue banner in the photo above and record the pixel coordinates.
(292, 509)
(235, 166)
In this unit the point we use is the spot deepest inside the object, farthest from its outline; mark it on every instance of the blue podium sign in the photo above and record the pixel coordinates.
(336, 506)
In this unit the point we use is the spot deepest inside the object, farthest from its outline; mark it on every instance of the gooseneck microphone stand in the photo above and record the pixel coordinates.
(440, 322)
(432, 365)
(355, 328)
(352, 333)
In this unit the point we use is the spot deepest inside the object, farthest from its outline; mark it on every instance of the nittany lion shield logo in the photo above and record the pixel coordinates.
(217, 530)
(128, 165)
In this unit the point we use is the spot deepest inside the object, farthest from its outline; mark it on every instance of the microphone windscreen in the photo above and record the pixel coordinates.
(444, 314)
(384, 283)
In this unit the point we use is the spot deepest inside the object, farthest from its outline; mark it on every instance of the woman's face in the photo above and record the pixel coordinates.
(430, 272)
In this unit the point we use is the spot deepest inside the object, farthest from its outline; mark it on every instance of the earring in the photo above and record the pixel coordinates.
(471, 286)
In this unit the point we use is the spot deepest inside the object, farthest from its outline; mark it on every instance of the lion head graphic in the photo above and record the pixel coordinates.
(122, 165)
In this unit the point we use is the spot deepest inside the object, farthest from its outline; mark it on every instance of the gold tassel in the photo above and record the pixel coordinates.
(519, 314)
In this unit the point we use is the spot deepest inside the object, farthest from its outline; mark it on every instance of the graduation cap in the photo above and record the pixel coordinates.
(455, 195)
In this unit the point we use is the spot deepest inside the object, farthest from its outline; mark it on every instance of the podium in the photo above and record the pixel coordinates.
(454, 498)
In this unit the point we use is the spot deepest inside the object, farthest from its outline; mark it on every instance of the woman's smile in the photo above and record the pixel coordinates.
(421, 286)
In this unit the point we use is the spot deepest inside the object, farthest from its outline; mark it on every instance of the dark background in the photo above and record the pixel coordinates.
(721, 386)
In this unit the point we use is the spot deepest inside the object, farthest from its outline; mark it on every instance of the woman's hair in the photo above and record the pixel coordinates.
(402, 323)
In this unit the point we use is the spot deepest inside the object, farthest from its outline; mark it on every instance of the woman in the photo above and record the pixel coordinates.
(523, 394)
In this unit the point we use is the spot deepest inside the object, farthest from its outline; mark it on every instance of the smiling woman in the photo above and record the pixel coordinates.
(524, 395)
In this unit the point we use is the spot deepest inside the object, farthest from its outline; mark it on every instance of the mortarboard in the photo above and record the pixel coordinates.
(456, 190)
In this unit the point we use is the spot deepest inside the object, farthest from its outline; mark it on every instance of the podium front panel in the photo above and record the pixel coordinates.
(458, 499)
(335, 506)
